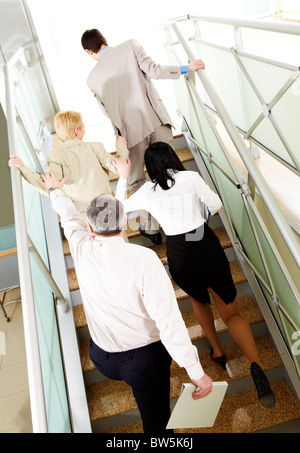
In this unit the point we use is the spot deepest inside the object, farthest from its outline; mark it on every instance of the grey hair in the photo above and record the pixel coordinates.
(106, 215)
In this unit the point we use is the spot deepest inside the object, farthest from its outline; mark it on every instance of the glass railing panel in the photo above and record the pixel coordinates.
(243, 104)
(55, 391)
(56, 399)
(202, 130)
(33, 209)
(276, 46)
(267, 137)
(289, 123)
(230, 83)
(282, 282)
(269, 81)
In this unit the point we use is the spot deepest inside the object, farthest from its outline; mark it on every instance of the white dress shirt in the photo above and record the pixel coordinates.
(127, 295)
(179, 209)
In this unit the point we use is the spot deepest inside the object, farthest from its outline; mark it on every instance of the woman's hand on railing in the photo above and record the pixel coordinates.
(16, 162)
(196, 64)
(122, 165)
(50, 182)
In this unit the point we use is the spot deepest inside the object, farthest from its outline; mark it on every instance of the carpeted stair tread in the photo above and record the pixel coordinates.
(245, 304)
(241, 413)
(108, 398)
(184, 155)
(247, 307)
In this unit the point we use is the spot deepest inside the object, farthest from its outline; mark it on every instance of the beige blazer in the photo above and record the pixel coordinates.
(86, 166)
(121, 83)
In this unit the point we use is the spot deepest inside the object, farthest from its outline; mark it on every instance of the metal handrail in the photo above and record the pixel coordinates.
(34, 366)
(273, 26)
(258, 179)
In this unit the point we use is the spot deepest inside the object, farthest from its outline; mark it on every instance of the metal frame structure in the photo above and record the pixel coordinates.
(255, 178)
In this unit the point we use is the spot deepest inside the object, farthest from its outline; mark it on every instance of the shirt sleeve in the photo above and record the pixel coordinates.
(184, 69)
(206, 195)
(161, 305)
(135, 202)
(75, 229)
(33, 177)
(105, 158)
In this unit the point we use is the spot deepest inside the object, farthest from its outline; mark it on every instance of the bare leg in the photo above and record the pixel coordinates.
(205, 318)
(238, 327)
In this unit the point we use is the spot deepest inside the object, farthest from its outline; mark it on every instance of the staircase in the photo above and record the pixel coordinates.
(111, 403)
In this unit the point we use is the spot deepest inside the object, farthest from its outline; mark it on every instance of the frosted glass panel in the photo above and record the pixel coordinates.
(222, 71)
(52, 369)
(281, 285)
(244, 106)
(27, 106)
(269, 80)
(52, 366)
(266, 135)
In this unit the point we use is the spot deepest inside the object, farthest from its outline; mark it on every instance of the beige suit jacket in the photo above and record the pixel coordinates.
(121, 83)
(86, 166)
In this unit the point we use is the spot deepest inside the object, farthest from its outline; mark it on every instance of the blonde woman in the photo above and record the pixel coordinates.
(85, 165)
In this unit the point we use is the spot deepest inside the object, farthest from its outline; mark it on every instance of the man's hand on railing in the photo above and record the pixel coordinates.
(195, 65)
(50, 182)
(15, 161)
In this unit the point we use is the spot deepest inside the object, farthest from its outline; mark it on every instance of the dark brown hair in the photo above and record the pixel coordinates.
(93, 40)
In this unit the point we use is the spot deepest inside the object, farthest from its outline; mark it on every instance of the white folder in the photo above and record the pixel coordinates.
(201, 413)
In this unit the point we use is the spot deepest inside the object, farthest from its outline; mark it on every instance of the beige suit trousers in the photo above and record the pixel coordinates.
(137, 175)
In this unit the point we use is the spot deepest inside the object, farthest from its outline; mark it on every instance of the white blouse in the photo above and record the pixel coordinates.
(179, 209)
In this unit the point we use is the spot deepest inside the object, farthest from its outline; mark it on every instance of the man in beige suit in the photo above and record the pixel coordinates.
(121, 82)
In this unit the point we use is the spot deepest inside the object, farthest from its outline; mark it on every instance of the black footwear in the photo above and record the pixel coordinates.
(221, 360)
(264, 391)
(155, 238)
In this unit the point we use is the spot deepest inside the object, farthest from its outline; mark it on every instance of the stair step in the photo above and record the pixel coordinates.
(109, 398)
(184, 155)
(241, 413)
(245, 304)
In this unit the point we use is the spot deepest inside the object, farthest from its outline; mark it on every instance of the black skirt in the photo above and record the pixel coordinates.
(197, 262)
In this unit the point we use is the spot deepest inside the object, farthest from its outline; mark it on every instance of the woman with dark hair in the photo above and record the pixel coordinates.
(181, 202)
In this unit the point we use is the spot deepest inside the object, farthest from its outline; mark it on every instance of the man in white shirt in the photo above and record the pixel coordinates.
(135, 324)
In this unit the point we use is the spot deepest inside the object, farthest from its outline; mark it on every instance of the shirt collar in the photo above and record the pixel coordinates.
(103, 48)
(108, 240)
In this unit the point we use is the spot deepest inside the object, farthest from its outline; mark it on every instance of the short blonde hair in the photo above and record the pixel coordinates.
(65, 122)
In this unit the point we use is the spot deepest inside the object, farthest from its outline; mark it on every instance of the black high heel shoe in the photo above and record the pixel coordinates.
(156, 238)
(265, 395)
(221, 360)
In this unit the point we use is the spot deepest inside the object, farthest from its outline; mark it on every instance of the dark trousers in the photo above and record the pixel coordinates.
(147, 371)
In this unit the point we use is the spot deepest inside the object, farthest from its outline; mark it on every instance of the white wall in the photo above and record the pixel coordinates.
(61, 23)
